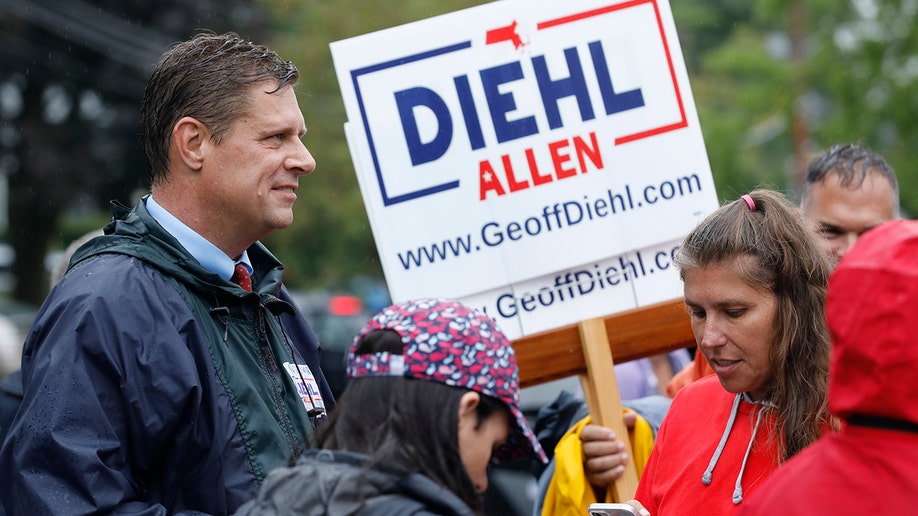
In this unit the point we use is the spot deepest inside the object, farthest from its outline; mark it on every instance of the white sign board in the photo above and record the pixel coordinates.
(538, 159)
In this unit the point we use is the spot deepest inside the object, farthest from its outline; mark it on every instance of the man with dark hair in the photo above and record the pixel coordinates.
(848, 190)
(168, 371)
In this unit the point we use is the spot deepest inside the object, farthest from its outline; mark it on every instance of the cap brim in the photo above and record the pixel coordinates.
(521, 443)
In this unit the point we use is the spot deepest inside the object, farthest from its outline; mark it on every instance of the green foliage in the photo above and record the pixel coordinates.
(846, 69)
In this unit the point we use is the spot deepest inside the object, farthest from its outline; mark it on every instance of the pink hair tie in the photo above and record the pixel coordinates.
(749, 202)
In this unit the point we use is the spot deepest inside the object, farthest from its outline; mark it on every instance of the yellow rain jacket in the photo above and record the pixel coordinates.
(569, 493)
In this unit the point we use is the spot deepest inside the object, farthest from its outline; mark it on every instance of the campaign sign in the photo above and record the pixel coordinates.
(538, 159)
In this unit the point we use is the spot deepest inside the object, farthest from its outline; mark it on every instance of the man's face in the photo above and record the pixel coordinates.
(251, 177)
(841, 214)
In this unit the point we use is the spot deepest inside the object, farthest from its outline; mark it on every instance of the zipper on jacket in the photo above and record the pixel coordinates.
(272, 371)
(220, 312)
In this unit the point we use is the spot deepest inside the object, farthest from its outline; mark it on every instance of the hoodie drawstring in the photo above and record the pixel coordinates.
(709, 472)
(738, 491)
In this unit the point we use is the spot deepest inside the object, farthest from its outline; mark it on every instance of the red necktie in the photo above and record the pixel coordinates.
(242, 277)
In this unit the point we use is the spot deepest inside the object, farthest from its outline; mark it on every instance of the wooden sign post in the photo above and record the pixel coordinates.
(603, 399)
(587, 349)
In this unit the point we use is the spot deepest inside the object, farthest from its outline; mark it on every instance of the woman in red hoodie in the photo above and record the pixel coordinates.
(754, 285)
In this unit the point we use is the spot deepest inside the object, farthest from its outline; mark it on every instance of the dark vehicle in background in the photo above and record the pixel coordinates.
(336, 319)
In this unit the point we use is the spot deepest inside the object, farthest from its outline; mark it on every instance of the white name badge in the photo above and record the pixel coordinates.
(306, 387)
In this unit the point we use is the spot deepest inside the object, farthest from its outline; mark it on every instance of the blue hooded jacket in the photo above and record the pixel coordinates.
(153, 386)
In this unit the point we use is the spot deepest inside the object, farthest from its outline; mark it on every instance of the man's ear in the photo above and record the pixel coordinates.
(189, 139)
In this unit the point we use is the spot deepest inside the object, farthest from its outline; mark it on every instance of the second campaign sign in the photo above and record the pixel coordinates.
(538, 159)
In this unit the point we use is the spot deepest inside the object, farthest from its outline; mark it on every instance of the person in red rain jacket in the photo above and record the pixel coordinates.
(871, 465)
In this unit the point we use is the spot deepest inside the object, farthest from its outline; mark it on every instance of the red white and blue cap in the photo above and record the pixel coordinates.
(448, 342)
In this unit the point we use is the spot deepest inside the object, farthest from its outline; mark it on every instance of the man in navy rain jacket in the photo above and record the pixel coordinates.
(153, 382)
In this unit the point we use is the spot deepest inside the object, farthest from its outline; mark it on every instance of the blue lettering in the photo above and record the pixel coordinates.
(497, 236)
(647, 197)
(537, 226)
(549, 293)
(407, 101)
(584, 286)
(661, 265)
(553, 90)
(561, 281)
(502, 104)
(513, 231)
(469, 114)
(600, 207)
(567, 213)
(614, 102)
(612, 272)
(527, 302)
(499, 104)
(506, 306)
(667, 190)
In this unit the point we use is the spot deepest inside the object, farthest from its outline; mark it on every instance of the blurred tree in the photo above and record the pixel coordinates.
(777, 80)
(72, 74)
(862, 75)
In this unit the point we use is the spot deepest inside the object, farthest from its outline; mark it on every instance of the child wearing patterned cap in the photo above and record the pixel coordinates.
(433, 398)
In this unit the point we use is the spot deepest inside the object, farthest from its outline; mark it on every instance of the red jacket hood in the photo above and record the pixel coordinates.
(872, 313)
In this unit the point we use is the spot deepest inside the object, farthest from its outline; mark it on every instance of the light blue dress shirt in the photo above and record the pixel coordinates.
(207, 254)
